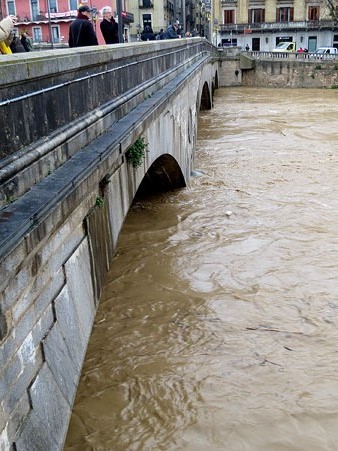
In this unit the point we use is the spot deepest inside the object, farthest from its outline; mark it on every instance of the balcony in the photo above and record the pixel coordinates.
(42, 17)
(278, 26)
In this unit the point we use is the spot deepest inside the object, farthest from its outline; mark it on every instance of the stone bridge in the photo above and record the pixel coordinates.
(68, 118)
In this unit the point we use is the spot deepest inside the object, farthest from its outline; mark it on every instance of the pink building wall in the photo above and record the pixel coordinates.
(39, 29)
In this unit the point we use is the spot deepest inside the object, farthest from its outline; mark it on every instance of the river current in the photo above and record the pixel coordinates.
(218, 325)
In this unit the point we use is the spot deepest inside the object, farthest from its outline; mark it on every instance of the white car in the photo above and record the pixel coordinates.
(326, 53)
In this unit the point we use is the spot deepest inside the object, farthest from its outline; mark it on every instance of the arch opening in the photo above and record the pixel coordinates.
(205, 98)
(163, 175)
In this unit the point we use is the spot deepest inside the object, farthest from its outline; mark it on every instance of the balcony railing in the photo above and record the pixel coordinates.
(308, 56)
(43, 17)
(276, 26)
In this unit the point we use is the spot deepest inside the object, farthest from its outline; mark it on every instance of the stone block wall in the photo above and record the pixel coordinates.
(56, 245)
(292, 74)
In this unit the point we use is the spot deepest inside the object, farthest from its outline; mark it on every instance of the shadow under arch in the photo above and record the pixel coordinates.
(205, 98)
(214, 84)
(216, 80)
(163, 175)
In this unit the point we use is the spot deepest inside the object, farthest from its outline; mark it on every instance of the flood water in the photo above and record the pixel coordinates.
(218, 325)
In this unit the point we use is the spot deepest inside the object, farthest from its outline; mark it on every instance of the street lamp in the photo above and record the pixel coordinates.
(50, 25)
(119, 19)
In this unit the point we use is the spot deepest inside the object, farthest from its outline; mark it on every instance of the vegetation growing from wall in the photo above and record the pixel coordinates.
(99, 201)
(136, 152)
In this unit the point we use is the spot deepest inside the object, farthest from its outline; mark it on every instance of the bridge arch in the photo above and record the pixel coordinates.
(164, 174)
(206, 98)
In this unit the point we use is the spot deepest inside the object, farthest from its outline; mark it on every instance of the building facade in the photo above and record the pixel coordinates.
(194, 16)
(47, 21)
(262, 24)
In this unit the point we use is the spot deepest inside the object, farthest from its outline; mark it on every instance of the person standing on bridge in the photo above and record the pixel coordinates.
(81, 31)
(172, 32)
(109, 27)
(148, 34)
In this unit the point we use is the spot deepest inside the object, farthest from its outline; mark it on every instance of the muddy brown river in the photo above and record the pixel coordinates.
(218, 325)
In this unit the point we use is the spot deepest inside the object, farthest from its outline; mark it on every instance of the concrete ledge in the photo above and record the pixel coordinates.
(246, 62)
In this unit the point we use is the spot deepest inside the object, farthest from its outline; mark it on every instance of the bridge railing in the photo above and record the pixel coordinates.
(292, 56)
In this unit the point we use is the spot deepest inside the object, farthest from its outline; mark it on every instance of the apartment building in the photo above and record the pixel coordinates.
(192, 15)
(47, 21)
(262, 24)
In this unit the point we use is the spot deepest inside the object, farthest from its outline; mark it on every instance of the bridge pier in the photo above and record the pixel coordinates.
(59, 231)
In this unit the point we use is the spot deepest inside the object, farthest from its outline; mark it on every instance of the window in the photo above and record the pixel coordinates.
(53, 6)
(146, 3)
(146, 18)
(256, 44)
(34, 9)
(256, 15)
(313, 13)
(37, 35)
(229, 16)
(56, 34)
(284, 15)
(229, 42)
(11, 7)
(73, 5)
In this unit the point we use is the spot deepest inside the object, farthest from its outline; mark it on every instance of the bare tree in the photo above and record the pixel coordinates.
(332, 6)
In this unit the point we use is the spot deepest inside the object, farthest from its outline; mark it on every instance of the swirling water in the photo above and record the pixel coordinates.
(218, 325)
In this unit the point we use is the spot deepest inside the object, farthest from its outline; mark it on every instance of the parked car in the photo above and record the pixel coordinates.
(326, 53)
(285, 47)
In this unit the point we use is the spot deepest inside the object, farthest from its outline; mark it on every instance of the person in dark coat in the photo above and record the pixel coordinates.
(16, 45)
(109, 27)
(148, 34)
(26, 43)
(81, 31)
(160, 35)
(171, 32)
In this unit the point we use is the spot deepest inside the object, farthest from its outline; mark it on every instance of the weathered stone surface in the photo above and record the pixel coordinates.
(31, 361)
(18, 416)
(50, 414)
(80, 286)
(52, 304)
(61, 363)
(36, 435)
(69, 324)
(9, 374)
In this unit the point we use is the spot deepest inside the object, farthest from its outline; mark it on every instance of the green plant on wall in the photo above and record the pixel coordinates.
(136, 152)
(99, 201)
